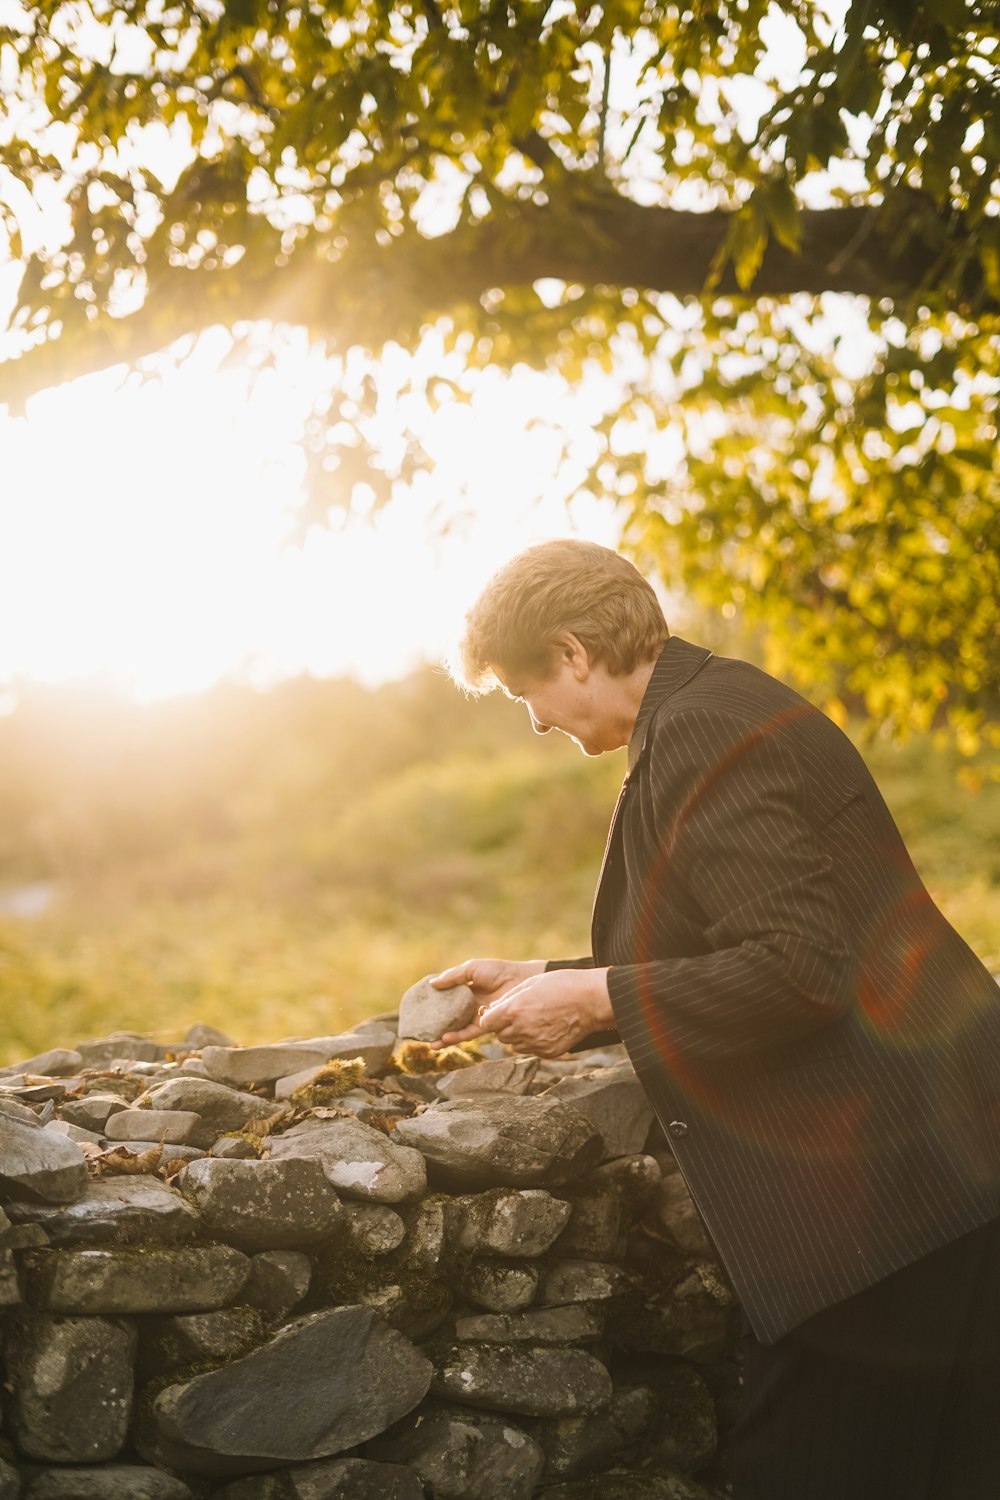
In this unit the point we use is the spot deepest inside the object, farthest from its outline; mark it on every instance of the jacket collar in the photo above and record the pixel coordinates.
(676, 664)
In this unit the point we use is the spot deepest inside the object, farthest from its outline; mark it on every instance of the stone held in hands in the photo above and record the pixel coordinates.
(425, 1013)
(321, 1385)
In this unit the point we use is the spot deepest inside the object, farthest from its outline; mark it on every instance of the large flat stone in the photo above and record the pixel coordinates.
(72, 1387)
(534, 1382)
(131, 1044)
(136, 1280)
(464, 1455)
(243, 1065)
(109, 1482)
(357, 1159)
(38, 1165)
(537, 1325)
(614, 1102)
(174, 1126)
(114, 1210)
(489, 1140)
(330, 1479)
(425, 1014)
(58, 1062)
(323, 1383)
(263, 1205)
(221, 1108)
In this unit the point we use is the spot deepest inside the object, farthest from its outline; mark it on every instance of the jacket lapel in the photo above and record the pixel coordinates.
(677, 664)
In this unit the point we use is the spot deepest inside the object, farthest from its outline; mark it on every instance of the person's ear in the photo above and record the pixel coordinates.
(574, 654)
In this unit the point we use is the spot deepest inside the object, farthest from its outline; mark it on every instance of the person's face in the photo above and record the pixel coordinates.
(571, 700)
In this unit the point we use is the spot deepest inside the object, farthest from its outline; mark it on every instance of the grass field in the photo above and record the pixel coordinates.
(286, 864)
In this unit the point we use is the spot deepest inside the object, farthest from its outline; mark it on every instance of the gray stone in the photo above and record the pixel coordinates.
(279, 1279)
(359, 1160)
(426, 1237)
(373, 1228)
(242, 1065)
(614, 1102)
(581, 1445)
(192, 1067)
(323, 1383)
(487, 1140)
(169, 1343)
(10, 1286)
(57, 1063)
(262, 1205)
(201, 1035)
(50, 1091)
(462, 1455)
(500, 1288)
(109, 1482)
(685, 1434)
(416, 1309)
(676, 1213)
(581, 1281)
(502, 1075)
(118, 1044)
(13, 1109)
(72, 1387)
(691, 1319)
(38, 1165)
(15, 1235)
(114, 1210)
(10, 1481)
(221, 1108)
(530, 1381)
(174, 1126)
(233, 1148)
(330, 1479)
(425, 1014)
(538, 1325)
(524, 1223)
(139, 1280)
(169, 1152)
(595, 1230)
(72, 1132)
(628, 1484)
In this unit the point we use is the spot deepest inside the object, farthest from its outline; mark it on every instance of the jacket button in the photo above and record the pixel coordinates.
(677, 1128)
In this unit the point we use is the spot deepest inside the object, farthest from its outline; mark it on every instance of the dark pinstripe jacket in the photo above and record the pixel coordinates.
(821, 1046)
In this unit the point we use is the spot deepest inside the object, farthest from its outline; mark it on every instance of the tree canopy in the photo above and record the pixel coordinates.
(778, 220)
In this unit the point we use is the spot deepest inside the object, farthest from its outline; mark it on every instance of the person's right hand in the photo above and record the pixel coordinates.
(488, 978)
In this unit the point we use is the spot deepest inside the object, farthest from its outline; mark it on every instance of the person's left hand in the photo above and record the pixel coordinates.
(547, 1014)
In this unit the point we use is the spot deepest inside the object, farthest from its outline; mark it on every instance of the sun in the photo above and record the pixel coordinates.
(149, 527)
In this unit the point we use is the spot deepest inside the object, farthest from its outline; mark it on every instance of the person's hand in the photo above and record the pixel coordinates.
(489, 979)
(548, 1013)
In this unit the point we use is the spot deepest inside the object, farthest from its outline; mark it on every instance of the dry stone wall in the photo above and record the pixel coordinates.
(350, 1268)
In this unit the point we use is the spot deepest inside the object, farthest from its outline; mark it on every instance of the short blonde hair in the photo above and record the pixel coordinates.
(558, 587)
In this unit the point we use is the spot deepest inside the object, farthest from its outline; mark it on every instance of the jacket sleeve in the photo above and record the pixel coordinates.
(730, 827)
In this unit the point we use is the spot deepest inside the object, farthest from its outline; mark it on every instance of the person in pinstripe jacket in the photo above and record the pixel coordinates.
(821, 1047)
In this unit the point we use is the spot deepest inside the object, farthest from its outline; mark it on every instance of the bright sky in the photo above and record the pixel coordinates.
(148, 527)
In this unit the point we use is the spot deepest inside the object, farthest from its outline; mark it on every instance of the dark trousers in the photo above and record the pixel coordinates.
(891, 1395)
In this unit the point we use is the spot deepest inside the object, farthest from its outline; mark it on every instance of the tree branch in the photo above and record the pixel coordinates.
(373, 293)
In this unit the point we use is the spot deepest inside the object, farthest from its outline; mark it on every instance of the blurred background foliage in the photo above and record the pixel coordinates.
(285, 863)
(776, 222)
